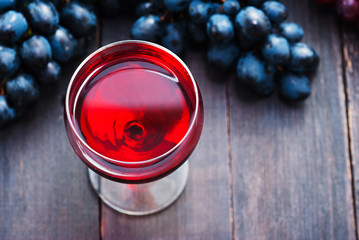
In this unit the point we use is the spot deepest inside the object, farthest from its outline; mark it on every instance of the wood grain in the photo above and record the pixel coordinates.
(351, 66)
(291, 167)
(45, 193)
(203, 211)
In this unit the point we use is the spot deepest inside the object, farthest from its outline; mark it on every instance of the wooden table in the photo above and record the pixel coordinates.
(262, 169)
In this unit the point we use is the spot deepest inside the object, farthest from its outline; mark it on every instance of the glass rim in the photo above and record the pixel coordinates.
(118, 43)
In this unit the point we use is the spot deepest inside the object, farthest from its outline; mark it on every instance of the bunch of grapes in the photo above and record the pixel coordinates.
(250, 35)
(348, 10)
(36, 36)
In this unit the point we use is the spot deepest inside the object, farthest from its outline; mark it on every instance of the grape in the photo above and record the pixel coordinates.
(254, 72)
(43, 16)
(294, 87)
(146, 28)
(9, 61)
(304, 58)
(252, 23)
(348, 10)
(146, 8)
(275, 11)
(36, 52)
(7, 114)
(6, 4)
(220, 28)
(176, 5)
(172, 38)
(222, 56)
(12, 26)
(231, 7)
(266, 87)
(291, 31)
(49, 74)
(276, 50)
(78, 19)
(63, 44)
(22, 91)
(200, 11)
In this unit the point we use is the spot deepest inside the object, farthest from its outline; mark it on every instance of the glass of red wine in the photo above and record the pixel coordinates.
(134, 114)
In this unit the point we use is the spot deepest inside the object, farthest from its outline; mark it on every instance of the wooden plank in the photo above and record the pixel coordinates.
(291, 167)
(203, 211)
(351, 61)
(45, 192)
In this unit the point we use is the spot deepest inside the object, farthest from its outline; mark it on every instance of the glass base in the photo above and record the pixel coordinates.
(144, 198)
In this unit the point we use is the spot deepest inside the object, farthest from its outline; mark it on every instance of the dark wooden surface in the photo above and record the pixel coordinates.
(351, 76)
(262, 169)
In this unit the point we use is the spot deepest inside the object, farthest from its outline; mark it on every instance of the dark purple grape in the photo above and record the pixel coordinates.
(294, 87)
(22, 91)
(176, 5)
(275, 11)
(9, 61)
(146, 8)
(12, 26)
(36, 52)
(146, 28)
(49, 74)
(222, 56)
(231, 7)
(348, 10)
(172, 38)
(43, 16)
(255, 73)
(63, 44)
(291, 31)
(200, 11)
(7, 114)
(78, 19)
(276, 50)
(304, 58)
(6, 4)
(252, 23)
(220, 28)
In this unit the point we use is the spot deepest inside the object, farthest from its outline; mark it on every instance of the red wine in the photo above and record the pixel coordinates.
(133, 111)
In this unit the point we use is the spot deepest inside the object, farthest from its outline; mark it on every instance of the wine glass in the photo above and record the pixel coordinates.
(134, 114)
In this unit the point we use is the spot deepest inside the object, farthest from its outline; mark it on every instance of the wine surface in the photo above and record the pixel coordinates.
(133, 111)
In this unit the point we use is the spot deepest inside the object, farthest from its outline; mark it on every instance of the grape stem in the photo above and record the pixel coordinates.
(2, 87)
(165, 15)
